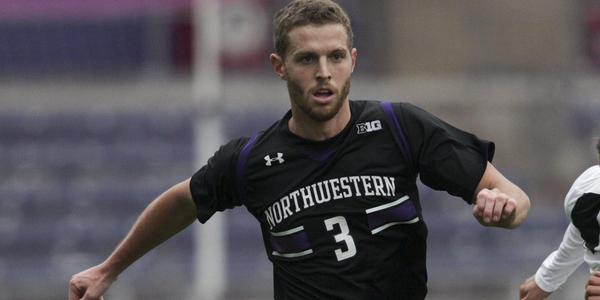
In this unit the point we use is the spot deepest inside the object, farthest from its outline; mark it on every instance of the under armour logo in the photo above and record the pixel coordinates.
(278, 158)
(368, 126)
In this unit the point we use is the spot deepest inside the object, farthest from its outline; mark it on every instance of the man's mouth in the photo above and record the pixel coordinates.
(323, 94)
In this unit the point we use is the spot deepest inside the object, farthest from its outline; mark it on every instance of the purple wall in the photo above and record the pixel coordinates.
(84, 8)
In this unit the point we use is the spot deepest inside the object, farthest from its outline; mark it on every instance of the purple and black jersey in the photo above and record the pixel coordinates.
(341, 218)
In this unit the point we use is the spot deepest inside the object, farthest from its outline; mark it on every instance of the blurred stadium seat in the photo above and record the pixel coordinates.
(74, 187)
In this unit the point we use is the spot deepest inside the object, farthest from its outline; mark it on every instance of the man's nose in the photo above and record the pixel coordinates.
(323, 71)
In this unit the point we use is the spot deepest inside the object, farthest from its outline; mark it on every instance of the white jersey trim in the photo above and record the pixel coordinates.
(388, 205)
(292, 255)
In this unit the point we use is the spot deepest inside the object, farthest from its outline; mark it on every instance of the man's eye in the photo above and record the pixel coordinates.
(337, 57)
(306, 59)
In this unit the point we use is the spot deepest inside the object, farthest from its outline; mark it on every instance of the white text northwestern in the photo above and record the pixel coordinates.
(328, 190)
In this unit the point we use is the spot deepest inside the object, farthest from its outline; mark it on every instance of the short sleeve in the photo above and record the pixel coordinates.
(447, 158)
(213, 187)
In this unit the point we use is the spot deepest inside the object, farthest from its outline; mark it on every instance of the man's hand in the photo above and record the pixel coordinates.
(494, 208)
(592, 288)
(529, 290)
(90, 284)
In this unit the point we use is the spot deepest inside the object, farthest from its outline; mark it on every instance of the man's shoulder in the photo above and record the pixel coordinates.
(589, 180)
(400, 107)
(588, 183)
(370, 106)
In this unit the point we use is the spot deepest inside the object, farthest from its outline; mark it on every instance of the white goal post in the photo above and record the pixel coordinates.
(209, 239)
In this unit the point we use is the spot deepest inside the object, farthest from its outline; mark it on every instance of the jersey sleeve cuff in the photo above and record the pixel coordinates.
(542, 284)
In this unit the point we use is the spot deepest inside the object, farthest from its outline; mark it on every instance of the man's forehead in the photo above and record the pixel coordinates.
(318, 38)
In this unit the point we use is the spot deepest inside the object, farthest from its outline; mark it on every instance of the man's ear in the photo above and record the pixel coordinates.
(278, 65)
(354, 56)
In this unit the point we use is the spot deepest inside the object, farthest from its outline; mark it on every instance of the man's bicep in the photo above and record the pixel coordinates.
(490, 179)
(183, 191)
(494, 179)
(181, 196)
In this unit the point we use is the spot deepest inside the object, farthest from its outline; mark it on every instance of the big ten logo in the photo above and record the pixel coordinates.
(368, 126)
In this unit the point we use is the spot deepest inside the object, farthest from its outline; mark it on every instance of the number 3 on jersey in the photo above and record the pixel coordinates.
(343, 236)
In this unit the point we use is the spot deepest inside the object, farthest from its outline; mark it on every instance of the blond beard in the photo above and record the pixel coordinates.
(301, 100)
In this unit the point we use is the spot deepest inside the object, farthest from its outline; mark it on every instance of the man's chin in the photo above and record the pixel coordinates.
(322, 114)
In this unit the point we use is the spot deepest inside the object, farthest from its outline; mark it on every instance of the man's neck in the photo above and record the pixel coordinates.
(304, 126)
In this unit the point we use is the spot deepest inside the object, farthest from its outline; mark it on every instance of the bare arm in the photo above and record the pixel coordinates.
(498, 201)
(168, 214)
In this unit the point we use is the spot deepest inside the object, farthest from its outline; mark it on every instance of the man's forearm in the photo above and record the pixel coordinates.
(168, 214)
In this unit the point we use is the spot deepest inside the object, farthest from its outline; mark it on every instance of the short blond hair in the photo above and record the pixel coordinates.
(304, 12)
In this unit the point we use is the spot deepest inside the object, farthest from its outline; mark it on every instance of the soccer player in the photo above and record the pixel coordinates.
(333, 183)
(580, 242)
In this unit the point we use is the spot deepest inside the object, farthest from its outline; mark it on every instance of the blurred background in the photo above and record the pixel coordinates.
(105, 104)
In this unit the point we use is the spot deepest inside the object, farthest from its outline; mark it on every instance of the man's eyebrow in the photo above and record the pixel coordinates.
(305, 53)
(338, 50)
(310, 52)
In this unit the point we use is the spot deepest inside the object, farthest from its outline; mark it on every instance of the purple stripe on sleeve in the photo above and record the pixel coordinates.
(389, 111)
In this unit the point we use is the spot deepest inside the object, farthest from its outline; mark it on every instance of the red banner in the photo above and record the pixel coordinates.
(593, 34)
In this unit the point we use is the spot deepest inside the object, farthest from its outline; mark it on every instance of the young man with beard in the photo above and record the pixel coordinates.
(580, 242)
(333, 183)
